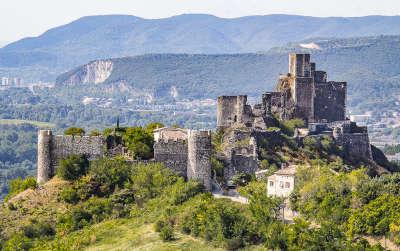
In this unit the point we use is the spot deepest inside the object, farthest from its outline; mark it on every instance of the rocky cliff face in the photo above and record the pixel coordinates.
(95, 72)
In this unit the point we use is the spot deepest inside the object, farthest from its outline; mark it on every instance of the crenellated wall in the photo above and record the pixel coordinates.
(53, 148)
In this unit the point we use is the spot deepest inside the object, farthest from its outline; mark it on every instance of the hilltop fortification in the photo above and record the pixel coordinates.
(303, 93)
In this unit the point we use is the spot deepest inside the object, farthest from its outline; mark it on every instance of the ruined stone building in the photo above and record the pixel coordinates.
(186, 152)
(303, 93)
(53, 148)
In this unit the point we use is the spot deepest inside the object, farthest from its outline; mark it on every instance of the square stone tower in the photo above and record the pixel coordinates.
(303, 92)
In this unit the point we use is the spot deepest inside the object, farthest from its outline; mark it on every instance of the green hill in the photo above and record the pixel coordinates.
(365, 63)
(114, 204)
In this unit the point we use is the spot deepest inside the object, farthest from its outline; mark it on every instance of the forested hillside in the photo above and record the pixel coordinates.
(94, 37)
(17, 153)
(371, 72)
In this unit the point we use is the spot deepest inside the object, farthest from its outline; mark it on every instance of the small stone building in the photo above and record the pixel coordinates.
(281, 183)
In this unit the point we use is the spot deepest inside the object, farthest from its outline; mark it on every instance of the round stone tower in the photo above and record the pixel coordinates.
(199, 157)
(44, 169)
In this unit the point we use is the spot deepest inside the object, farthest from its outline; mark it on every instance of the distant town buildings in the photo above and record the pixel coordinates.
(7, 81)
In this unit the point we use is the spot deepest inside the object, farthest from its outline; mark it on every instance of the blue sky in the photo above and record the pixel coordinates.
(21, 18)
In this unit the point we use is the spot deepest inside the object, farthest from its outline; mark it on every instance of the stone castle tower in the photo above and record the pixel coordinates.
(199, 157)
(44, 169)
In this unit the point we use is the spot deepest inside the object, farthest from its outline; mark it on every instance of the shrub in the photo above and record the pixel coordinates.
(95, 132)
(311, 143)
(18, 185)
(92, 211)
(18, 242)
(288, 126)
(139, 142)
(167, 233)
(158, 226)
(150, 180)
(38, 229)
(73, 167)
(241, 179)
(182, 191)
(108, 174)
(218, 168)
(74, 131)
(69, 195)
(215, 220)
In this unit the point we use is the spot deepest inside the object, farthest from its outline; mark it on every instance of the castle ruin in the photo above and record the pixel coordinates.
(53, 148)
(303, 93)
(186, 152)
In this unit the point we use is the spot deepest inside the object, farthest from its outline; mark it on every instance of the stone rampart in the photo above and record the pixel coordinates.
(173, 154)
(53, 148)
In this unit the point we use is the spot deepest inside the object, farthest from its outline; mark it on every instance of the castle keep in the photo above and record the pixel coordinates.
(302, 93)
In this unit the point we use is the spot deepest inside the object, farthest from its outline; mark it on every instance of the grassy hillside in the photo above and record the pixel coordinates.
(114, 204)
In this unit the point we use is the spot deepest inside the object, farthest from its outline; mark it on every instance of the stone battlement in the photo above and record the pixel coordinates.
(53, 148)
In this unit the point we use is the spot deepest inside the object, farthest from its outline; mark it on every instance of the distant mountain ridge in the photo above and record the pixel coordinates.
(95, 37)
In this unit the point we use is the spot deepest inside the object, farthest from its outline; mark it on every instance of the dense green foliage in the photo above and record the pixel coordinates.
(116, 189)
(18, 185)
(356, 203)
(74, 131)
(73, 167)
(17, 153)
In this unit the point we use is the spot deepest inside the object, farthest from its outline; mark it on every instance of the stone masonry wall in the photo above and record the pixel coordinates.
(304, 100)
(330, 101)
(357, 145)
(173, 154)
(51, 149)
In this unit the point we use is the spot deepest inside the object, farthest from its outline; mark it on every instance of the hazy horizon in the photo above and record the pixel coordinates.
(22, 18)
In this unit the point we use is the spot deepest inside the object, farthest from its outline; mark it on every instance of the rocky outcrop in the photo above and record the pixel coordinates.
(95, 72)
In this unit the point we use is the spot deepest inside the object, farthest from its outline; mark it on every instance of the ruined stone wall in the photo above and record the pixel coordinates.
(357, 145)
(330, 101)
(300, 65)
(304, 98)
(233, 110)
(320, 77)
(53, 148)
(199, 157)
(226, 111)
(173, 154)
